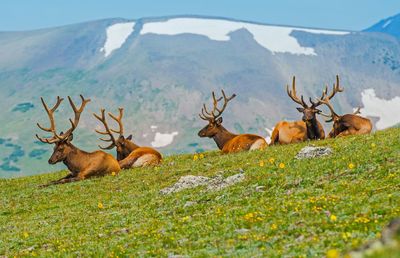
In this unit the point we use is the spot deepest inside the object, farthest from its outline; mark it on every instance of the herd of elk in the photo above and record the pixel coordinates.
(83, 165)
(226, 141)
(129, 154)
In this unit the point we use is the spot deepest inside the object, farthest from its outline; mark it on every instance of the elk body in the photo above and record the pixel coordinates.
(298, 131)
(129, 154)
(347, 124)
(81, 164)
(226, 141)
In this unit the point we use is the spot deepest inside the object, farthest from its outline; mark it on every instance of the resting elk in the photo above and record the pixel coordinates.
(347, 124)
(81, 164)
(298, 131)
(225, 140)
(129, 154)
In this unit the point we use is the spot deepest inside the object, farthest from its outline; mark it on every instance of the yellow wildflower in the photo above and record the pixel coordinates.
(185, 219)
(26, 234)
(195, 157)
(373, 145)
(271, 160)
(201, 156)
(333, 218)
(274, 226)
(262, 163)
(332, 253)
(113, 173)
(351, 166)
(281, 165)
(100, 205)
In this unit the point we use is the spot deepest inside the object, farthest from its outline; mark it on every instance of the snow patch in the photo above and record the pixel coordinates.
(269, 131)
(386, 23)
(116, 36)
(277, 39)
(163, 139)
(386, 110)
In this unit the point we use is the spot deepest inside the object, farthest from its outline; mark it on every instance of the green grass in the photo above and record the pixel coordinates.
(291, 217)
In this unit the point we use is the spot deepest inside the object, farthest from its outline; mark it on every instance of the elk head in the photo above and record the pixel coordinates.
(123, 145)
(309, 112)
(214, 117)
(62, 140)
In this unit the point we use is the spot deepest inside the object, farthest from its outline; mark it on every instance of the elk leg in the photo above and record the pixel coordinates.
(344, 133)
(70, 175)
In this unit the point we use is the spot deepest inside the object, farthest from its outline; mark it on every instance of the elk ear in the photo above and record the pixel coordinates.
(219, 121)
(129, 137)
(301, 110)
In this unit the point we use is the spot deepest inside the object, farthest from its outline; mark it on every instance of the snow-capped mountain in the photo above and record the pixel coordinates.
(161, 70)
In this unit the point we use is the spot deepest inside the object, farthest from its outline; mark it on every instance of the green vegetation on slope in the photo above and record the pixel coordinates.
(307, 208)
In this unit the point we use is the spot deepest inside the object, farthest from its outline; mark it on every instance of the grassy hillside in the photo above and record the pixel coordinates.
(306, 208)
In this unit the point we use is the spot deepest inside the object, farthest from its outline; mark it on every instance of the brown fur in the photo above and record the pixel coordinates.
(153, 157)
(128, 153)
(226, 141)
(289, 132)
(350, 124)
(81, 164)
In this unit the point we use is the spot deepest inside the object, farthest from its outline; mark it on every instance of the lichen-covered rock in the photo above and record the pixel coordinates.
(213, 184)
(186, 182)
(313, 152)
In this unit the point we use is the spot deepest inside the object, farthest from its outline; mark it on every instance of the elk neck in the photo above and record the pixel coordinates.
(222, 137)
(313, 129)
(76, 159)
(131, 146)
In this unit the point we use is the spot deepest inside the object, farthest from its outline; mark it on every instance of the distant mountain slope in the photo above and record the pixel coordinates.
(161, 70)
(389, 25)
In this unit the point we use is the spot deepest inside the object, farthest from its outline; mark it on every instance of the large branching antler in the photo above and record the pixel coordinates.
(325, 99)
(119, 121)
(216, 112)
(102, 118)
(50, 112)
(52, 128)
(293, 95)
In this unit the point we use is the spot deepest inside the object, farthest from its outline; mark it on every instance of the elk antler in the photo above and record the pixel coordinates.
(211, 116)
(50, 112)
(77, 114)
(325, 99)
(293, 95)
(108, 132)
(119, 121)
(52, 128)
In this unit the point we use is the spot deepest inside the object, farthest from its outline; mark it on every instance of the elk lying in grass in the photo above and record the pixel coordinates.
(297, 131)
(81, 164)
(225, 140)
(128, 153)
(347, 124)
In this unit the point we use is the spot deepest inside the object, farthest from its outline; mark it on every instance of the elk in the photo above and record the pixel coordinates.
(81, 164)
(129, 154)
(298, 131)
(226, 141)
(347, 124)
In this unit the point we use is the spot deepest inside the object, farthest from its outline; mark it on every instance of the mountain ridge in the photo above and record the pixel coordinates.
(163, 80)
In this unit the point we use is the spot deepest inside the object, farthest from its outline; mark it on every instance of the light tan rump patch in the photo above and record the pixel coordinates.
(258, 145)
(146, 160)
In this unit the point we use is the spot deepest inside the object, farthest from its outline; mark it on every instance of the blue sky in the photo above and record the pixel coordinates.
(333, 14)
